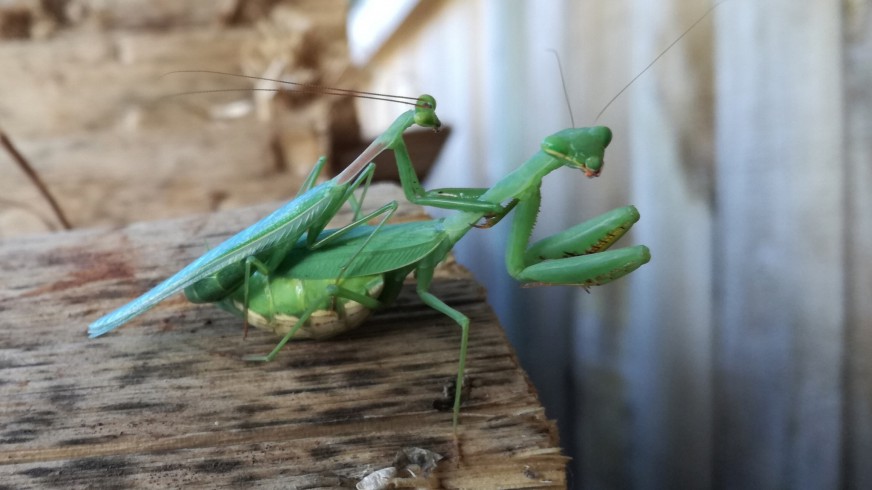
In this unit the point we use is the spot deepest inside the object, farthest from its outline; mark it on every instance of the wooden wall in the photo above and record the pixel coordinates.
(739, 357)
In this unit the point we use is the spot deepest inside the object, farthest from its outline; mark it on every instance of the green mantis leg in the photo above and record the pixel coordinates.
(424, 274)
(590, 237)
(263, 269)
(331, 292)
(463, 199)
(357, 203)
(577, 256)
(313, 175)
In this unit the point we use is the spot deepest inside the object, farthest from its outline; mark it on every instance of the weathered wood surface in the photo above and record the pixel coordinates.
(167, 400)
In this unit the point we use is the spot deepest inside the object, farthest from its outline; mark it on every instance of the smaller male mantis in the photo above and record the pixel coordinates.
(262, 245)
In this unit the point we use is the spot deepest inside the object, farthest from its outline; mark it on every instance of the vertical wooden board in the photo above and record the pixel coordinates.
(668, 347)
(598, 63)
(858, 233)
(779, 247)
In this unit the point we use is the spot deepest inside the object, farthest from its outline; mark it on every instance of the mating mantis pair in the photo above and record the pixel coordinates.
(287, 274)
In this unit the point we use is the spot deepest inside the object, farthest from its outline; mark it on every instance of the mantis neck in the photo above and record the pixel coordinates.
(516, 184)
(380, 144)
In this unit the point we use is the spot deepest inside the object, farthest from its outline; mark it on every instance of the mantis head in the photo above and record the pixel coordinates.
(425, 113)
(581, 148)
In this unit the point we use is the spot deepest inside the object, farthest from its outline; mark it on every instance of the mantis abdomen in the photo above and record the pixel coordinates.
(279, 306)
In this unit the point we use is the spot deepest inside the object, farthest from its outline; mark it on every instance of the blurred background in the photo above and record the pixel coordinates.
(738, 357)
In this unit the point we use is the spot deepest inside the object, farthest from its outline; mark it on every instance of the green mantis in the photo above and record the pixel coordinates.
(262, 246)
(287, 274)
(316, 294)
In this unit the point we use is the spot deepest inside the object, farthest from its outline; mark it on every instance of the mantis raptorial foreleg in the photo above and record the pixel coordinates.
(576, 256)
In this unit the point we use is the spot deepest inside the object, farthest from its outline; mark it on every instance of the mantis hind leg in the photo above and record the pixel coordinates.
(331, 292)
(425, 278)
(263, 269)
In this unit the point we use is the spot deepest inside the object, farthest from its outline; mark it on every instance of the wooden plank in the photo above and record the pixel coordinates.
(780, 249)
(167, 401)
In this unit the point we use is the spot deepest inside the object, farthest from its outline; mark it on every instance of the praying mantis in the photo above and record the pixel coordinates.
(364, 269)
(285, 270)
(261, 246)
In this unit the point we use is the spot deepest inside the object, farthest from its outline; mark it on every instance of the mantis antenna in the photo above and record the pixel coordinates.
(299, 87)
(644, 70)
(563, 81)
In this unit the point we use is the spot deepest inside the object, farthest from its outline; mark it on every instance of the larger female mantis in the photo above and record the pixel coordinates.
(263, 245)
(364, 269)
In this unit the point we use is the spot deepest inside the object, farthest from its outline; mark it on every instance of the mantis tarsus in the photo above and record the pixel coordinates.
(364, 269)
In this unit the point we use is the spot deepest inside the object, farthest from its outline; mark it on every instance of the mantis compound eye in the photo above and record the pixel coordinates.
(425, 112)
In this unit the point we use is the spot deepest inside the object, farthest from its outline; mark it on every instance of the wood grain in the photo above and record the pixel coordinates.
(167, 400)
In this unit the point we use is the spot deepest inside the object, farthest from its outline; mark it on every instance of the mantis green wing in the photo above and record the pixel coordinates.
(258, 237)
(393, 247)
(308, 212)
